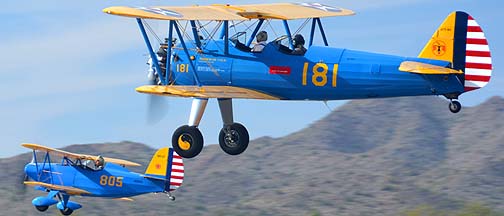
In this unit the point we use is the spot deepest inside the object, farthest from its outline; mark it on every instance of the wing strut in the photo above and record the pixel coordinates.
(169, 49)
(322, 31)
(191, 62)
(151, 51)
(288, 32)
(254, 32)
(316, 21)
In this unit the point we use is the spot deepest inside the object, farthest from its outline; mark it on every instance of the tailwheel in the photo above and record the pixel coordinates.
(66, 211)
(187, 141)
(42, 208)
(234, 139)
(455, 106)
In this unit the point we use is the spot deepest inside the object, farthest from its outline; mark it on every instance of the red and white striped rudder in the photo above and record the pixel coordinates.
(478, 61)
(177, 171)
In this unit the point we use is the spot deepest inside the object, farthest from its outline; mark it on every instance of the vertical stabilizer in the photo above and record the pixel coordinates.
(461, 41)
(167, 164)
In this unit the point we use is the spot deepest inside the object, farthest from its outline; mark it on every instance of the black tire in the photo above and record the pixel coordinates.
(42, 208)
(66, 211)
(236, 140)
(455, 106)
(191, 141)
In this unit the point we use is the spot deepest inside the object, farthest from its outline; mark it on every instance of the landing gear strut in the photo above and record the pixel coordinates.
(455, 106)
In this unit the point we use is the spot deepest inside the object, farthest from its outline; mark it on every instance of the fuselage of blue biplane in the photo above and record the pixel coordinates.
(113, 181)
(323, 73)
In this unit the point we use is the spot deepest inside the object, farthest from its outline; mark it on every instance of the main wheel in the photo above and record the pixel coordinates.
(234, 139)
(42, 208)
(455, 106)
(187, 141)
(66, 211)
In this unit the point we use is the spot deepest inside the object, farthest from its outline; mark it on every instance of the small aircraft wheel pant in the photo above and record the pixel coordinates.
(66, 211)
(455, 106)
(42, 208)
(187, 141)
(234, 139)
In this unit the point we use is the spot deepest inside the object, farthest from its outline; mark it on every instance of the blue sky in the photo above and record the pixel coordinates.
(69, 71)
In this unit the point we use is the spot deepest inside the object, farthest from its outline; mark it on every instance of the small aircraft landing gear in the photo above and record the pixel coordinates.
(455, 106)
(66, 211)
(234, 139)
(170, 196)
(187, 140)
(42, 208)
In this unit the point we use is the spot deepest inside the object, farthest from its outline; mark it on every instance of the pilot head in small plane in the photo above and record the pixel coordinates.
(261, 39)
(99, 162)
(299, 42)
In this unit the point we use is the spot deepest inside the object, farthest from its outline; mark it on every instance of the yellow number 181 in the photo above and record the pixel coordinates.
(319, 77)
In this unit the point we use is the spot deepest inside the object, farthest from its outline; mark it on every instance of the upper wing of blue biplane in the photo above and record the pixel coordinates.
(284, 11)
(77, 156)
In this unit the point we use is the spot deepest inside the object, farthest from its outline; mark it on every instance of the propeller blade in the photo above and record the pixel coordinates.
(157, 109)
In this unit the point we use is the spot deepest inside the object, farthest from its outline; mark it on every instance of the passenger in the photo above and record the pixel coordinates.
(299, 42)
(261, 39)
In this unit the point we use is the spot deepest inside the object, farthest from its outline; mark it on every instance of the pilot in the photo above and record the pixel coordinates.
(99, 162)
(299, 42)
(261, 39)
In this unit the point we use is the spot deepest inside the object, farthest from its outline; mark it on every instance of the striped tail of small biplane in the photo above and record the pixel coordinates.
(461, 41)
(167, 165)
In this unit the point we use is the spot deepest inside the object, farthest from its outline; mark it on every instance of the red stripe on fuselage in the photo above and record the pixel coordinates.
(282, 70)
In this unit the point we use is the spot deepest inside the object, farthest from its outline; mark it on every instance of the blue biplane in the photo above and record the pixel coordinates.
(96, 176)
(202, 65)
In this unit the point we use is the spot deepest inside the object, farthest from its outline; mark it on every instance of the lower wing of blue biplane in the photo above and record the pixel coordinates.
(61, 188)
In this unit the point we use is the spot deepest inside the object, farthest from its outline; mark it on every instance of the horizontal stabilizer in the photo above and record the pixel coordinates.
(423, 68)
(205, 92)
